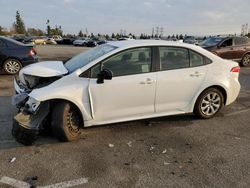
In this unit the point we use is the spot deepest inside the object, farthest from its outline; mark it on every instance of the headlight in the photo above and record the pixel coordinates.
(31, 81)
(32, 105)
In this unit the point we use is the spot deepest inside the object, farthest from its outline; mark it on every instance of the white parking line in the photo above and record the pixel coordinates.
(14, 182)
(21, 184)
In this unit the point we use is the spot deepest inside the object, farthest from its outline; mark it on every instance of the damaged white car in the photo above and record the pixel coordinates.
(121, 81)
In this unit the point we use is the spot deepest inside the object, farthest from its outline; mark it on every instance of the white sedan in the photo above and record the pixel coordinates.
(121, 81)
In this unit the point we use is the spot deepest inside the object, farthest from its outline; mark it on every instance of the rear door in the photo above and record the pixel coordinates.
(179, 79)
(228, 49)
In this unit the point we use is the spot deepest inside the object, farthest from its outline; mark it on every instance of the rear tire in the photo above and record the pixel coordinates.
(12, 66)
(209, 103)
(66, 122)
(246, 60)
(24, 136)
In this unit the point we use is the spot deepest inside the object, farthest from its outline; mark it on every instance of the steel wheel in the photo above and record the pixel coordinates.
(210, 104)
(246, 60)
(12, 66)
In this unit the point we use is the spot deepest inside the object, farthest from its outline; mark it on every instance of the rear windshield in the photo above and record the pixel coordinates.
(212, 41)
(88, 56)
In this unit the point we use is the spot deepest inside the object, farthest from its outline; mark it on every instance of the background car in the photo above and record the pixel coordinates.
(14, 55)
(80, 42)
(39, 41)
(236, 48)
(50, 41)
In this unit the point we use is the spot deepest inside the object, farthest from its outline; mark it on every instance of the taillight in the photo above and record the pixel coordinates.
(236, 69)
(32, 52)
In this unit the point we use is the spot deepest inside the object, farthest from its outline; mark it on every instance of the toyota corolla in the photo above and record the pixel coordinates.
(121, 81)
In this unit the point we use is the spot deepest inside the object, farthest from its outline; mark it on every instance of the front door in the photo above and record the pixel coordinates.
(130, 93)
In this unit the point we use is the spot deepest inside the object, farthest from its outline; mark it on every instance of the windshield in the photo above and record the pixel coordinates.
(212, 41)
(86, 57)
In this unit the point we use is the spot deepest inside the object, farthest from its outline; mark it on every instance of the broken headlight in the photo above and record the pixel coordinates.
(31, 81)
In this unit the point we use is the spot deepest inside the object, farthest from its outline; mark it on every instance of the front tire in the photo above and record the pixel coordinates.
(209, 103)
(12, 66)
(66, 122)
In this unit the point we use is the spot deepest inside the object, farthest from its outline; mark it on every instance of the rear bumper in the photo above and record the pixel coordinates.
(233, 91)
(30, 60)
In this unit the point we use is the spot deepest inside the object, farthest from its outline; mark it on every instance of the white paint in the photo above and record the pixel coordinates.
(45, 69)
(21, 184)
(14, 183)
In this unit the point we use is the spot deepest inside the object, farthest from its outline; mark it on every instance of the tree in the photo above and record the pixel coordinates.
(80, 34)
(35, 32)
(1, 31)
(181, 37)
(113, 36)
(19, 24)
(48, 27)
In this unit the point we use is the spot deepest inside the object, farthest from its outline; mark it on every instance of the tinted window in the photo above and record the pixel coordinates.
(134, 61)
(241, 40)
(195, 59)
(227, 42)
(173, 58)
(207, 61)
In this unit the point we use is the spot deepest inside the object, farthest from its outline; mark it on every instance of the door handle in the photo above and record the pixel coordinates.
(148, 81)
(196, 74)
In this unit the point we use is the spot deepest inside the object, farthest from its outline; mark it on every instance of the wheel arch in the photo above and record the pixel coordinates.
(219, 87)
(58, 100)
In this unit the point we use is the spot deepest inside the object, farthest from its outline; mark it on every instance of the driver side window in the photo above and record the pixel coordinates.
(228, 42)
(129, 62)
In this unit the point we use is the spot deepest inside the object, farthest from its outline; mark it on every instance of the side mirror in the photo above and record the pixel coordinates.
(105, 74)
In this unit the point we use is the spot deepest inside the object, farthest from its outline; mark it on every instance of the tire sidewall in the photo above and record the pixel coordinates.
(245, 65)
(6, 61)
(197, 108)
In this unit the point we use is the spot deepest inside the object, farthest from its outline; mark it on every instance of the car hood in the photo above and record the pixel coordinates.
(45, 69)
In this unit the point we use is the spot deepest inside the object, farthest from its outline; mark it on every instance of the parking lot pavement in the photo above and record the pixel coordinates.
(176, 151)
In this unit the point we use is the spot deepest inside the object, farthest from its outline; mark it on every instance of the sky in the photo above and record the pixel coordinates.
(192, 17)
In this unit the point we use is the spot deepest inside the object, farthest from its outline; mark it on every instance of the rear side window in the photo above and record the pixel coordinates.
(195, 59)
(173, 58)
(241, 40)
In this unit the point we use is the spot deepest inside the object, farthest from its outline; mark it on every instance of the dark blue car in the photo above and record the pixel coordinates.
(14, 55)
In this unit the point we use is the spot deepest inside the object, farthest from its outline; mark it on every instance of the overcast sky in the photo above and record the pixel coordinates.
(197, 17)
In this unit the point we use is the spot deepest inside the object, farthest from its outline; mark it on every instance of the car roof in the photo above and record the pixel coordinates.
(137, 43)
(122, 45)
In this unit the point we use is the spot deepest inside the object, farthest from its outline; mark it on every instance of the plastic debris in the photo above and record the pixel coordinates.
(164, 151)
(129, 144)
(237, 138)
(166, 163)
(151, 148)
(111, 145)
(13, 159)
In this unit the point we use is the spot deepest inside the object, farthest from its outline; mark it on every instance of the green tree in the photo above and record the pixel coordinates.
(1, 31)
(19, 24)
(80, 34)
